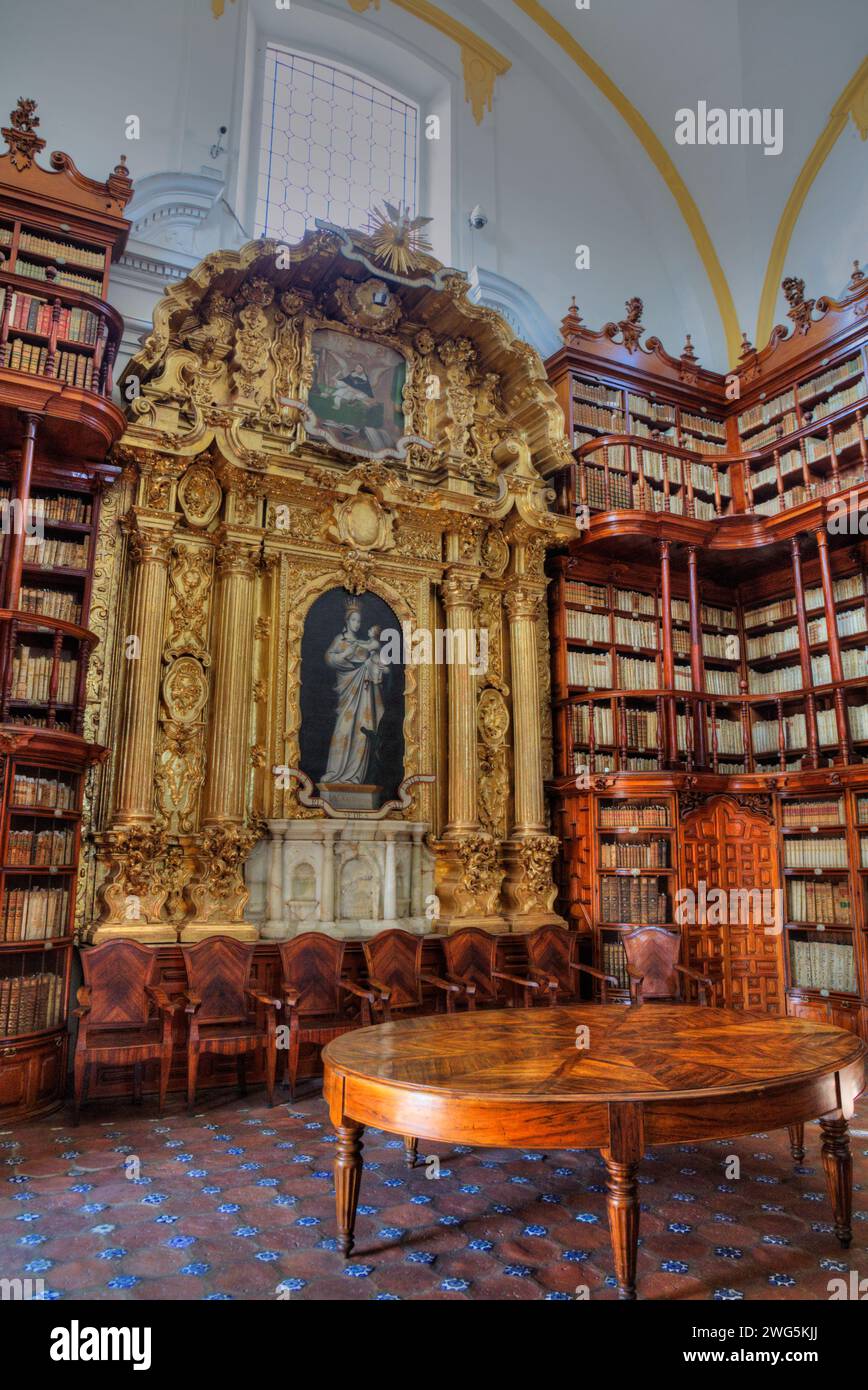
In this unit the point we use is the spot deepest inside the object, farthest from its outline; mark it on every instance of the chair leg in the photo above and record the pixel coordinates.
(79, 1080)
(242, 1074)
(165, 1064)
(137, 1083)
(292, 1059)
(797, 1141)
(411, 1148)
(192, 1073)
(270, 1065)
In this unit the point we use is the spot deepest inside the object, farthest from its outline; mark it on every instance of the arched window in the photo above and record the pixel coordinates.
(334, 145)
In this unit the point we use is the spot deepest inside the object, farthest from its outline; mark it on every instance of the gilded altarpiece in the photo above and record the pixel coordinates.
(305, 422)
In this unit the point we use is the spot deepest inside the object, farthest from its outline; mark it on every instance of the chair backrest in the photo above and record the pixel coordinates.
(218, 970)
(551, 949)
(653, 952)
(313, 964)
(395, 958)
(472, 954)
(116, 974)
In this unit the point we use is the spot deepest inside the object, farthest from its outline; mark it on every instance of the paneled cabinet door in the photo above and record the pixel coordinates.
(729, 863)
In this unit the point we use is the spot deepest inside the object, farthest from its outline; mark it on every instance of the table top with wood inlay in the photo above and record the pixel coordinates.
(628, 1054)
(594, 1076)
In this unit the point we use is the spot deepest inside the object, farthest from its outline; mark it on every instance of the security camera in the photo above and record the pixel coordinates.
(478, 218)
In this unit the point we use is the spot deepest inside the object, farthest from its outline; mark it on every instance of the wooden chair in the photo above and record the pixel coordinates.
(471, 962)
(654, 971)
(125, 1018)
(319, 1004)
(396, 977)
(551, 953)
(221, 1010)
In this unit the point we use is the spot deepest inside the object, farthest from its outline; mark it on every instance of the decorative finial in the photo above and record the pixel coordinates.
(571, 324)
(857, 277)
(687, 352)
(747, 346)
(800, 308)
(20, 135)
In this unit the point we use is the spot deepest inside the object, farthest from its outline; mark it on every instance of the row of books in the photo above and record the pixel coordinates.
(621, 814)
(587, 627)
(798, 814)
(703, 478)
(636, 674)
(849, 586)
(62, 506)
(26, 357)
(43, 789)
(53, 603)
(35, 315)
(858, 716)
(848, 396)
(723, 646)
(657, 431)
(629, 601)
(728, 734)
(62, 250)
(51, 846)
(766, 732)
(765, 411)
(790, 462)
(784, 639)
(703, 424)
(35, 914)
(577, 591)
(597, 394)
(639, 900)
(597, 417)
(616, 495)
(823, 965)
(786, 425)
(854, 664)
(632, 632)
(634, 854)
(50, 554)
(655, 410)
(614, 963)
(590, 669)
(29, 1003)
(62, 276)
(818, 900)
(642, 727)
(31, 675)
(815, 852)
(74, 368)
(580, 721)
(718, 682)
(827, 380)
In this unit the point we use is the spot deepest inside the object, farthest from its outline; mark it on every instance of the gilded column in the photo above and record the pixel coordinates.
(523, 605)
(459, 601)
(150, 548)
(228, 752)
(529, 891)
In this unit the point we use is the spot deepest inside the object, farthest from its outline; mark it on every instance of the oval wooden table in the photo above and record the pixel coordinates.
(593, 1076)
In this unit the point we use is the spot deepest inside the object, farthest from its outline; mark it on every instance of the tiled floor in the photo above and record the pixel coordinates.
(236, 1202)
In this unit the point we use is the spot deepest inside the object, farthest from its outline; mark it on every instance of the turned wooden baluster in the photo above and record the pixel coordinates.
(5, 324)
(661, 747)
(592, 738)
(782, 736)
(806, 471)
(622, 733)
(688, 734)
(714, 748)
(812, 759)
(53, 679)
(687, 483)
(607, 479)
(863, 446)
(9, 671)
(748, 486)
(779, 477)
(747, 742)
(642, 485)
(718, 502)
(51, 358)
(583, 482)
(833, 455)
(667, 500)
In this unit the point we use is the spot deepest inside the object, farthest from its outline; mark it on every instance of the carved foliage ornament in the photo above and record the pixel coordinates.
(199, 495)
(481, 876)
(536, 888)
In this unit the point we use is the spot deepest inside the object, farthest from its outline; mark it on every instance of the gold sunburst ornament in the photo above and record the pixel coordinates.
(397, 238)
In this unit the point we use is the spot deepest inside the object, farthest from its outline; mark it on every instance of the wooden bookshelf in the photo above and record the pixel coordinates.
(58, 234)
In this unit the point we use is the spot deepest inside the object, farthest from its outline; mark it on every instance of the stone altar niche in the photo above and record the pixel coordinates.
(343, 876)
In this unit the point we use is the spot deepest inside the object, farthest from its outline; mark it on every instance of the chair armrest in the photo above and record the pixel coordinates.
(358, 990)
(467, 985)
(543, 976)
(694, 975)
(514, 979)
(597, 974)
(381, 989)
(291, 996)
(266, 1000)
(635, 974)
(83, 997)
(194, 1001)
(162, 1000)
(440, 983)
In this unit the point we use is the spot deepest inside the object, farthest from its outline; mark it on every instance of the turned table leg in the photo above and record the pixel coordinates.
(797, 1141)
(348, 1180)
(838, 1163)
(411, 1149)
(623, 1207)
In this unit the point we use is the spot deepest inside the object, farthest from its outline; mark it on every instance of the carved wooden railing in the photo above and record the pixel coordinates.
(17, 708)
(56, 298)
(598, 738)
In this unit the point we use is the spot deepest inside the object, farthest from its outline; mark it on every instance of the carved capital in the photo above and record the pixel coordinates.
(150, 547)
(234, 556)
(459, 590)
(523, 603)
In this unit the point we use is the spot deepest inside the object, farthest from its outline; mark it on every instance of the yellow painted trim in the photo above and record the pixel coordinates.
(851, 102)
(659, 157)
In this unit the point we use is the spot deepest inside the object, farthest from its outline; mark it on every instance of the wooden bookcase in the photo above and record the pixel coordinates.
(58, 340)
(709, 638)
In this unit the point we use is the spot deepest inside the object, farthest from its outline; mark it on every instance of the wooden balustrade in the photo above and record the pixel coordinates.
(103, 351)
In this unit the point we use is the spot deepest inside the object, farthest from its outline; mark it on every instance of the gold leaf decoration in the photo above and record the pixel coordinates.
(397, 238)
